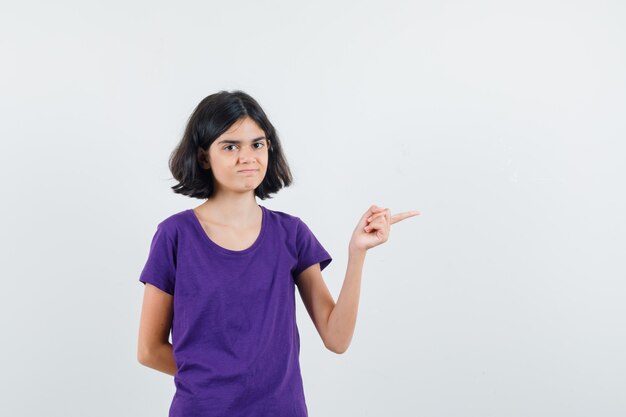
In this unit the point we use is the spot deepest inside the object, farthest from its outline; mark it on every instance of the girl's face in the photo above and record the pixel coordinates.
(242, 147)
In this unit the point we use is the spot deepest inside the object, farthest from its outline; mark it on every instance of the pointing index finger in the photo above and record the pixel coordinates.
(401, 216)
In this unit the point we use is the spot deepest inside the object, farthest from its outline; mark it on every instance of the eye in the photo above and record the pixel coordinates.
(260, 143)
(226, 147)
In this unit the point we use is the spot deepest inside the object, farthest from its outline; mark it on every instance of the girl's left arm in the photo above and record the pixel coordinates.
(335, 322)
(342, 319)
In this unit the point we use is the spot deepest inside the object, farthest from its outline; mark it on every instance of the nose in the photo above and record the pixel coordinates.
(246, 155)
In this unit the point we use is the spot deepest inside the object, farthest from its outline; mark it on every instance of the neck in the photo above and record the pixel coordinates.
(232, 208)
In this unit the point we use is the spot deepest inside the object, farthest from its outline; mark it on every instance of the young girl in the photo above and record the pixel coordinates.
(222, 276)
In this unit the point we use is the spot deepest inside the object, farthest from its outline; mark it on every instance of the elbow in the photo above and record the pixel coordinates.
(143, 357)
(338, 349)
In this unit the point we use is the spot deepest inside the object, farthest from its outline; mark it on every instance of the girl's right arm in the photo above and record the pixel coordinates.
(154, 349)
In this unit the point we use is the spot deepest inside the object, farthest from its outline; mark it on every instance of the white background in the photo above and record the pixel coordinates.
(502, 122)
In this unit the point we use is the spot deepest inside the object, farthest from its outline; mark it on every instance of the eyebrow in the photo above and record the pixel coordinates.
(238, 141)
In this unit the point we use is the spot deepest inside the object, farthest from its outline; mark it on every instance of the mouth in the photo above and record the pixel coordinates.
(248, 171)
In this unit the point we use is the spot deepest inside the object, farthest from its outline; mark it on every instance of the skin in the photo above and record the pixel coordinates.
(232, 219)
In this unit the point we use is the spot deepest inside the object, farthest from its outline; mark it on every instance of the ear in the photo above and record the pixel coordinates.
(203, 158)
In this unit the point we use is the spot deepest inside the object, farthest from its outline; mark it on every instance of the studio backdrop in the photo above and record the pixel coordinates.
(502, 122)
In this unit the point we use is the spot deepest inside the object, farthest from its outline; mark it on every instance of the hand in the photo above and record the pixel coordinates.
(374, 227)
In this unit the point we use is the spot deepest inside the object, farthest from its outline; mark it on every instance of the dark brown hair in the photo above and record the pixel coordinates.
(214, 115)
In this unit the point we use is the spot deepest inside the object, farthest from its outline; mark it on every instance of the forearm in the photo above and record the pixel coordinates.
(161, 358)
(342, 319)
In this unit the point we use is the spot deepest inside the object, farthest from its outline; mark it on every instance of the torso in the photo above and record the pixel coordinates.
(227, 236)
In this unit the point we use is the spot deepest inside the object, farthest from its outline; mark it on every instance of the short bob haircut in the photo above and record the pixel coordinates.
(214, 115)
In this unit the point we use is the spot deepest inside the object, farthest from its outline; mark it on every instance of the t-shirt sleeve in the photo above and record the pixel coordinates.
(160, 268)
(310, 250)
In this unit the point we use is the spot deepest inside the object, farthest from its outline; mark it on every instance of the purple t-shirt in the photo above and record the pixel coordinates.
(234, 333)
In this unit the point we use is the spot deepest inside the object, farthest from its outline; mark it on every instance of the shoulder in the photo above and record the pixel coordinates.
(284, 219)
(172, 224)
